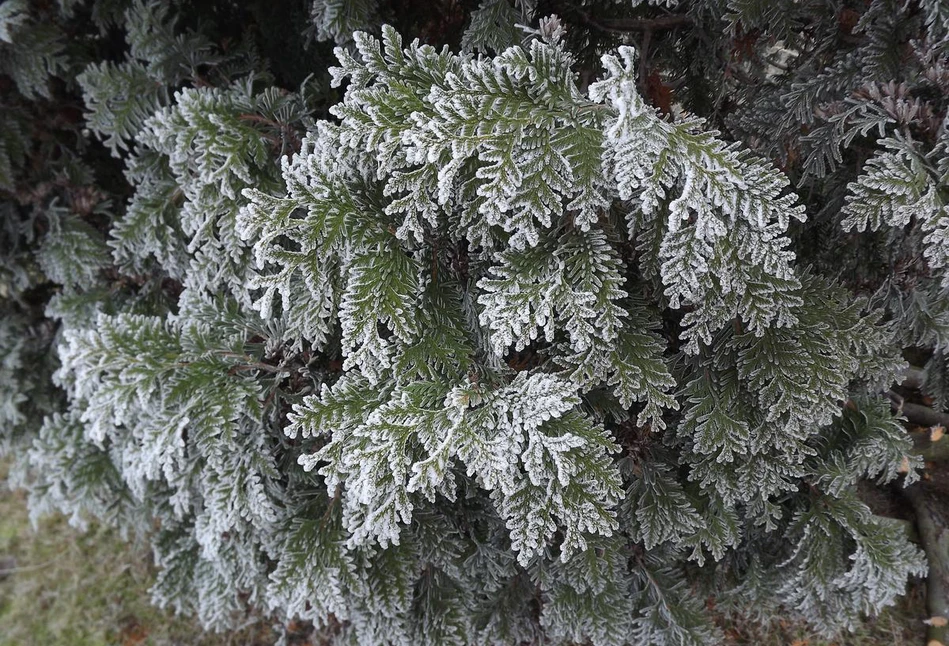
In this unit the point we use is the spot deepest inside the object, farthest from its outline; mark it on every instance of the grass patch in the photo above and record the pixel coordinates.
(62, 586)
(899, 625)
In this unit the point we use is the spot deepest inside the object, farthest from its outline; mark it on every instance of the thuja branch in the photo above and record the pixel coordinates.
(247, 363)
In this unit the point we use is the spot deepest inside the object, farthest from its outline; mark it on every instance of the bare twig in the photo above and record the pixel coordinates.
(626, 25)
(928, 450)
(933, 535)
(916, 413)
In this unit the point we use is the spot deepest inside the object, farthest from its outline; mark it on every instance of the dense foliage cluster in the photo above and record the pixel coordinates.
(558, 323)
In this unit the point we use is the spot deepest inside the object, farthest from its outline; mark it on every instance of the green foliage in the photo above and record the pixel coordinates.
(492, 27)
(338, 19)
(478, 347)
(827, 589)
(32, 49)
(120, 99)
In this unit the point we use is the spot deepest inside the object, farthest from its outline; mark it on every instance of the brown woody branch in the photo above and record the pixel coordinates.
(916, 413)
(641, 25)
(934, 537)
(930, 451)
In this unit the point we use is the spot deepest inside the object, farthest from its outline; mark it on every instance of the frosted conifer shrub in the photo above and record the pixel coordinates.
(464, 211)
(488, 355)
